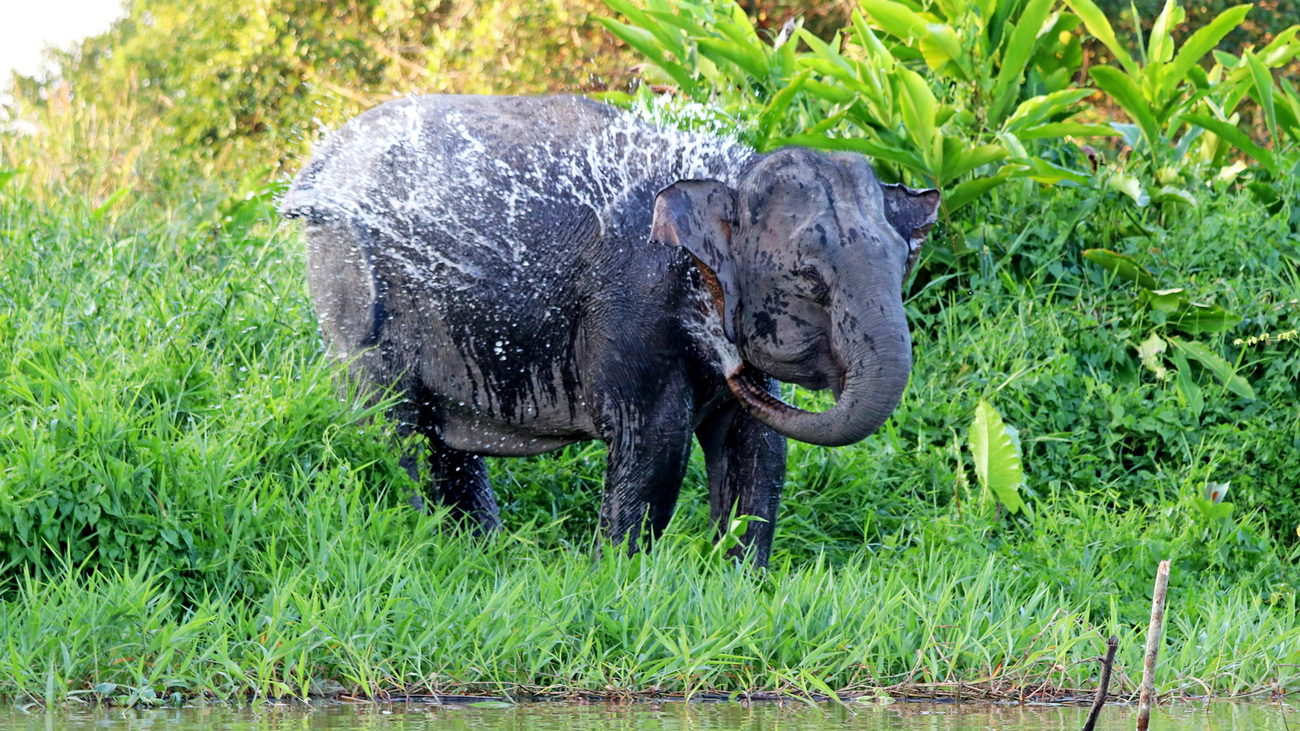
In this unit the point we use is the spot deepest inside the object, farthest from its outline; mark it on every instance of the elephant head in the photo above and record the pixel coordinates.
(806, 260)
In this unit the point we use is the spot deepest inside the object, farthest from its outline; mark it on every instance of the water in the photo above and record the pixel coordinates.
(669, 716)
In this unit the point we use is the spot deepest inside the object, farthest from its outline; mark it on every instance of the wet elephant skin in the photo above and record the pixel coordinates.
(533, 272)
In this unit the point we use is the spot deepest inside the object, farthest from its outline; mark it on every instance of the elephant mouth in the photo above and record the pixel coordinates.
(746, 386)
(810, 364)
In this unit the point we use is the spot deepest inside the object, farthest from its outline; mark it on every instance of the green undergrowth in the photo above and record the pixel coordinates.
(188, 506)
(370, 601)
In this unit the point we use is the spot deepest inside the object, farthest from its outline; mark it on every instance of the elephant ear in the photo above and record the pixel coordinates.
(698, 216)
(911, 213)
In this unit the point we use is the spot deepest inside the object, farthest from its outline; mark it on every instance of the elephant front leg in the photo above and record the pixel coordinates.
(746, 467)
(643, 477)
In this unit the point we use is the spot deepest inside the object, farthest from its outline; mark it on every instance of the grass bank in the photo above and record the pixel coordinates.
(375, 601)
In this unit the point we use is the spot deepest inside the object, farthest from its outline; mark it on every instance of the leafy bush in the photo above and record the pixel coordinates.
(1161, 92)
(237, 85)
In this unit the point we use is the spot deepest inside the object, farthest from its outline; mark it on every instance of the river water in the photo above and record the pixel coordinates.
(668, 716)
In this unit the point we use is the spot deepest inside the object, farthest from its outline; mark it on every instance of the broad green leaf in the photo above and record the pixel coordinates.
(1166, 300)
(1216, 365)
(942, 48)
(1019, 48)
(1187, 385)
(1057, 130)
(1151, 353)
(896, 19)
(1041, 109)
(741, 20)
(1129, 186)
(824, 51)
(644, 41)
(1124, 267)
(917, 105)
(866, 38)
(879, 151)
(1160, 47)
(961, 195)
(1282, 48)
(6, 176)
(1045, 172)
(1236, 138)
(1194, 319)
(1263, 83)
(670, 40)
(997, 461)
(1128, 95)
(716, 48)
(1171, 194)
(1099, 27)
(1131, 133)
(1288, 110)
(745, 41)
(827, 92)
(1200, 43)
(966, 160)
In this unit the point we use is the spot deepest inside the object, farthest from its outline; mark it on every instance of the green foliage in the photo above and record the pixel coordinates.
(235, 85)
(163, 391)
(856, 93)
(374, 600)
(996, 449)
(990, 47)
(1271, 18)
(182, 478)
(1167, 87)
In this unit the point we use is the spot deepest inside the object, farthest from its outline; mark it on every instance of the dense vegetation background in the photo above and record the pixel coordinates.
(178, 470)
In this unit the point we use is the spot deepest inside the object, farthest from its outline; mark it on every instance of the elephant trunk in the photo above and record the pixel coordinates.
(872, 343)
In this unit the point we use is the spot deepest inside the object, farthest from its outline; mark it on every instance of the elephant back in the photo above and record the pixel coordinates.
(477, 181)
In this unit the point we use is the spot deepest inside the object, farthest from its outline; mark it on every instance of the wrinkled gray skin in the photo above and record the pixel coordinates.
(533, 272)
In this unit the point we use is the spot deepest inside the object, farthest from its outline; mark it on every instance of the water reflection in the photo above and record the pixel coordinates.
(671, 716)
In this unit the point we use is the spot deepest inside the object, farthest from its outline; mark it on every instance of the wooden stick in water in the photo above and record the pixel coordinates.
(1106, 664)
(1153, 646)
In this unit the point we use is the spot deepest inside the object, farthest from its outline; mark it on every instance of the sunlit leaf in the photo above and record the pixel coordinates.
(1057, 130)
(1128, 95)
(896, 19)
(775, 110)
(1263, 85)
(1202, 42)
(1150, 352)
(1019, 48)
(1236, 138)
(1100, 28)
(997, 461)
(1129, 186)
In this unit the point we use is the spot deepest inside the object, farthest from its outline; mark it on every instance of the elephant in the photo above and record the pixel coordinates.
(530, 272)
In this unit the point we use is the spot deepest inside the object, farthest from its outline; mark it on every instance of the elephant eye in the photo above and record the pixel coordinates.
(819, 291)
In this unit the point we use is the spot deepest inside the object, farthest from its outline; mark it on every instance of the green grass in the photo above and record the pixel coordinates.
(383, 602)
(188, 506)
